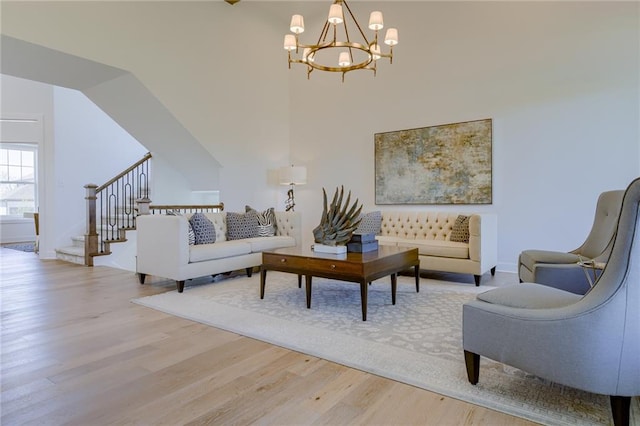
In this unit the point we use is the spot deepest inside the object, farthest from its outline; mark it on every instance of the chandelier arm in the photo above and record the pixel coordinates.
(323, 35)
(346, 33)
(353, 18)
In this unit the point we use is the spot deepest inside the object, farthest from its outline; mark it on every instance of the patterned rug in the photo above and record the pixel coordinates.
(28, 247)
(418, 341)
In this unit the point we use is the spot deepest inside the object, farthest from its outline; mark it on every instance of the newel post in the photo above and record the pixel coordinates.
(143, 206)
(91, 237)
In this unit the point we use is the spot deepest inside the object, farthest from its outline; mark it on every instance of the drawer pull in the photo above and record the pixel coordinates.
(333, 266)
(283, 260)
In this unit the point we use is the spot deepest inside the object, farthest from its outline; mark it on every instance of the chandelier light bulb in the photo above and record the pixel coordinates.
(344, 60)
(289, 42)
(297, 24)
(335, 14)
(375, 21)
(391, 38)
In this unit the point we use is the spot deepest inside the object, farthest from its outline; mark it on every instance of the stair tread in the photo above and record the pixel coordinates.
(73, 250)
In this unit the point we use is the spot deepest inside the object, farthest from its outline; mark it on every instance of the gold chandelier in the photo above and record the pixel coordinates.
(329, 54)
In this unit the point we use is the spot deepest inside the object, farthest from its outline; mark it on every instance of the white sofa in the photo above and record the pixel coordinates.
(163, 248)
(430, 233)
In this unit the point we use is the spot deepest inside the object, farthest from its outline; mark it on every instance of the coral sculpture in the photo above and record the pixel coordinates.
(337, 223)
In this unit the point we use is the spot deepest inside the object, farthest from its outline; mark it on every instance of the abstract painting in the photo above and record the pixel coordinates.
(444, 164)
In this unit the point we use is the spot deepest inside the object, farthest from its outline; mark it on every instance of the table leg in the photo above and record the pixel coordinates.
(394, 286)
(263, 279)
(417, 274)
(299, 281)
(307, 281)
(363, 295)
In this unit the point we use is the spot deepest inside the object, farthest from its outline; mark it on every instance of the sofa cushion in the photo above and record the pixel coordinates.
(460, 231)
(438, 248)
(242, 225)
(221, 250)
(530, 258)
(203, 228)
(370, 223)
(529, 296)
(260, 244)
(266, 221)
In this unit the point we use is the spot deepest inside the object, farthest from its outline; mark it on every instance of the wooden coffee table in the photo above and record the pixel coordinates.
(362, 268)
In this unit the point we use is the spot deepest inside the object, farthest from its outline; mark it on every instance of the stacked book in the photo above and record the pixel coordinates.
(362, 243)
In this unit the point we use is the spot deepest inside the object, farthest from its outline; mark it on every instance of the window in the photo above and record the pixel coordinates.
(18, 178)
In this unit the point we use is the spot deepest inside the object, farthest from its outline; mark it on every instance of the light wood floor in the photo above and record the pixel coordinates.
(76, 351)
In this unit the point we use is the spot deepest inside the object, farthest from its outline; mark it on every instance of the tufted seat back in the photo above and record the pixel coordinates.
(418, 225)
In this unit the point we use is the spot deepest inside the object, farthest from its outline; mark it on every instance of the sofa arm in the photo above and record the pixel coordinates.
(289, 224)
(483, 240)
(162, 245)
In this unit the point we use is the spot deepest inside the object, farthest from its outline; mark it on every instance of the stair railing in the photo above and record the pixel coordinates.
(111, 208)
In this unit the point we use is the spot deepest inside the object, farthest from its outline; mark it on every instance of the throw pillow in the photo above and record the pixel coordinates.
(203, 228)
(460, 231)
(266, 221)
(371, 223)
(242, 225)
(191, 234)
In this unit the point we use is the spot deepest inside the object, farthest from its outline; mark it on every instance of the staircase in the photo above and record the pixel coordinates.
(111, 211)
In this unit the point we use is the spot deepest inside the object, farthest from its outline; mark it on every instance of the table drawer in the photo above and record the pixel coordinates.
(314, 266)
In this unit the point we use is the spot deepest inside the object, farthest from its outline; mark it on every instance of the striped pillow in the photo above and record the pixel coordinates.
(266, 221)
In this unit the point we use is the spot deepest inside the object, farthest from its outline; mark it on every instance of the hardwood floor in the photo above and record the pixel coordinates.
(76, 351)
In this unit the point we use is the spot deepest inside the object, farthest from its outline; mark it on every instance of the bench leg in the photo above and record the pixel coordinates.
(180, 285)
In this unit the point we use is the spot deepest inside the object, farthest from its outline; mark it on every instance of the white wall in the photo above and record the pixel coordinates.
(559, 80)
(25, 98)
(89, 148)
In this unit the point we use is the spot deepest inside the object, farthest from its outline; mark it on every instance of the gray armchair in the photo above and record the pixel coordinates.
(560, 269)
(589, 342)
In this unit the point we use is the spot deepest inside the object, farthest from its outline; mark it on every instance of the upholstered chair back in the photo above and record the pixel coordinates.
(600, 238)
(615, 300)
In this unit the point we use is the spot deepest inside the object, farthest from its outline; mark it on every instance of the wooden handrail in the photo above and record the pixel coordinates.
(124, 172)
(190, 207)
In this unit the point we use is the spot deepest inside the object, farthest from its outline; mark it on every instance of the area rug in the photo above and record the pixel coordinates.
(27, 247)
(418, 341)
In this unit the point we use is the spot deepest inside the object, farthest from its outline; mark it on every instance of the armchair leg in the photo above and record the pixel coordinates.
(249, 272)
(477, 278)
(180, 286)
(141, 278)
(493, 271)
(472, 361)
(620, 406)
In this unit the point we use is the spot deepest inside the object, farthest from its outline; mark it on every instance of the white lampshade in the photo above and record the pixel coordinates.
(343, 59)
(297, 24)
(391, 38)
(335, 14)
(375, 51)
(289, 42)
(307, 56)
(375, 21)
(292, 175)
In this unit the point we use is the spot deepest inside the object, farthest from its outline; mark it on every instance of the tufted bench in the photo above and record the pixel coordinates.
(431, 233)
